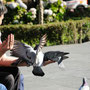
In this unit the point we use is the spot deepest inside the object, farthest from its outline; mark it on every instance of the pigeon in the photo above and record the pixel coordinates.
(56, 56)
(84, 85)
(34, 56)
(27, 54)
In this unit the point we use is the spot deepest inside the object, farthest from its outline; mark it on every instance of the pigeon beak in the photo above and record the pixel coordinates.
(37, 71)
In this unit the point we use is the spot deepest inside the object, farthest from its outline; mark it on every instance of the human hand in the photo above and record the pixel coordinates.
(48, 62)
(7, 44)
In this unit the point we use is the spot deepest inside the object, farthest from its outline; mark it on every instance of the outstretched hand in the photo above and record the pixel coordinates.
(8, 43)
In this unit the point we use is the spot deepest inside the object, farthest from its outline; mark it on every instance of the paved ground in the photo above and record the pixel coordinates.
(77, 67)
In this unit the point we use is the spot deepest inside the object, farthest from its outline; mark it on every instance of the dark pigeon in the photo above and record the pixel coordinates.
(84, 85)
(56, 56)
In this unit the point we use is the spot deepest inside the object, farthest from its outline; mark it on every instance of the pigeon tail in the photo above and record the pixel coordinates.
(37, 71)
(65, 57)
(65, 53)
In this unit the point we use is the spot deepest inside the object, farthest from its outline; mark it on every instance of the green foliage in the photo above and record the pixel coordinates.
(57, 33)
(9, 0)
(77, 15)
(17, 16)
(58, 9)
(86, 31)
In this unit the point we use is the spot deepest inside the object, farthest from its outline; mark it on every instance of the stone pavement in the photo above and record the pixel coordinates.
(77, 66)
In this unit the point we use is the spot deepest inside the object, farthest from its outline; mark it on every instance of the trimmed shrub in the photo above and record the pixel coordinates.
(57, 33)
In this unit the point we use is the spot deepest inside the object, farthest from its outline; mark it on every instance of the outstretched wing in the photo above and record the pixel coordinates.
(19, 49)
(41, 45)
(39, 58)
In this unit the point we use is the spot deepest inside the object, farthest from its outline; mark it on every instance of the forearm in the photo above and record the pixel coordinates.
(7, 60)
(2, 52)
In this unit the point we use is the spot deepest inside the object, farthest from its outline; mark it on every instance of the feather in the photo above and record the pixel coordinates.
(40, 46)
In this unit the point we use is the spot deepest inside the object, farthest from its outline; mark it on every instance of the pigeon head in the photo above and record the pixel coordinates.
(84, 81)
(37, 71)
(84, 85)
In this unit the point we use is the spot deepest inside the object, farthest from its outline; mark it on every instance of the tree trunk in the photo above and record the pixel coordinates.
(40, 12)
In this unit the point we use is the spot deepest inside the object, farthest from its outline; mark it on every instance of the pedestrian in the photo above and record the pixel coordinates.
(9, 75)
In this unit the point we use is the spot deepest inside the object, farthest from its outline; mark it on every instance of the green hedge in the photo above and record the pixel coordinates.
(77, 14)
(57, 33)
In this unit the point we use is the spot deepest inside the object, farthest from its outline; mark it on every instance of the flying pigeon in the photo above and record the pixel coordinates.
(27, 54)
(34, 56)
(56, 56)
(84, 85)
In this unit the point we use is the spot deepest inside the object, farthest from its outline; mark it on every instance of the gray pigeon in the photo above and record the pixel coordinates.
(27, 54)
(34, 56)
(84, 85)
(56, 56)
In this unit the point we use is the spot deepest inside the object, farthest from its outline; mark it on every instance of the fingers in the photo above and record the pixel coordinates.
(4, 43)
(8, 43)
(3, 46)
(11, 41)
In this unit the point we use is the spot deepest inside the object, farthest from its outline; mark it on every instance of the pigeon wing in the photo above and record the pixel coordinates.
(19, 49)
(41, 45)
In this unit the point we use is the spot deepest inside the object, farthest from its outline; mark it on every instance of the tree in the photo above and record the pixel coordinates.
(41, 12)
